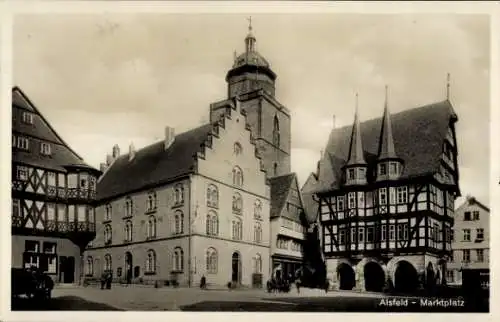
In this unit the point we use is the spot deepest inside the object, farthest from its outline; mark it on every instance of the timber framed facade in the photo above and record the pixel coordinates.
(386, 202)
(53, 193)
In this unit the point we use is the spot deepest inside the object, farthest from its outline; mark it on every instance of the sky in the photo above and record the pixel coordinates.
(112, 79)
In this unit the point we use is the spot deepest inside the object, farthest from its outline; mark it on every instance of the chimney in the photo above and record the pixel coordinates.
(116, 151)
(103, 166)
(131, 151)
(169, 136)
(109, 159)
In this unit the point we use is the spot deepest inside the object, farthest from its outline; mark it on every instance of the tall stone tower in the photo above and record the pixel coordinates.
(253, 82)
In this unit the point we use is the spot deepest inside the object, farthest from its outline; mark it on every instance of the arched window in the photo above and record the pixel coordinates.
(257, 211)
(129, 207)
(107, 262)
(107, 234)
(257, 233)
(179, 222)
(109, 211)
(276, 131)
(257, 264)
(212, 224)
(151, 261)
(151, 227)
(178, 259)
(237, 148)
(90, 266)
(211, 261)
(237, 203)
(237, 226)
(128, 231)
(237, 176)
(179, 194)
(151, 203)
(212, 196)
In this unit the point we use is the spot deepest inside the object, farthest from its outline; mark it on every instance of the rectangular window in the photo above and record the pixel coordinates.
(49, 248)
(475, 215)
(82, 213)
(479, 233)
(449, 276)
(31, 246)
(402, 195)
(342, 236)
(61, 213)
(480, 255)
(16, 208)
(71, 213)
(51, 179)
(340, 203)
(361, 173)
(452, 235)
(382, 169)
(400, 232)
(361, 235)
(45, 148)
(467, 216)
(382, 196)
(72, 181)
(392, 233)
(22, 173)
(351, 174)
(353, 235)
(466, 255)
(14, 141)
(352, 200)
(23, 143)
(383, 235)
(369, 234)
(51, 212)
(361, 199)
(466, 234)
(393, 169)
(27, 117)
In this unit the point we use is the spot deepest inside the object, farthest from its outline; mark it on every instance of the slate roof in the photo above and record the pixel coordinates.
(40, 131)
(418, 134)
(280, 188)
(153, 164)
(310, 206)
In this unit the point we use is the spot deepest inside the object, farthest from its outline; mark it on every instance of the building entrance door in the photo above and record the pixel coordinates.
(66, 269)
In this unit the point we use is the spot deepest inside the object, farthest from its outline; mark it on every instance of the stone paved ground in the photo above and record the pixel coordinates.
(139, 298)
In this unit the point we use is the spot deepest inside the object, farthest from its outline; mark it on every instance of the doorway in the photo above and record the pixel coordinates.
(236, 268)
(346, 277)
(374, 277)
(128, 267)
(66, 269)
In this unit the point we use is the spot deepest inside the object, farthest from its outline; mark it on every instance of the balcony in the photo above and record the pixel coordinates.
(59, 192)
(61, 227)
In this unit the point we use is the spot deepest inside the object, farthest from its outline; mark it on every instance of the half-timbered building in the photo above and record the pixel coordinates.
(53, 191)
(385, 192)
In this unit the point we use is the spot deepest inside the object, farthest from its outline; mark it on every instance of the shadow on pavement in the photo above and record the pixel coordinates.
(63, 303)
(321, 304)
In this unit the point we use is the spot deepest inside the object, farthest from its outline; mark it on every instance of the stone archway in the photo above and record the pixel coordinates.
(374, 276)
(405, 277)
(346, 276)
(430, 276)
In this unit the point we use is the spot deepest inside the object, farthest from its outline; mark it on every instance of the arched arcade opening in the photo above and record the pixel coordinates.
(374, 277)
(346, 277)
(405, 277)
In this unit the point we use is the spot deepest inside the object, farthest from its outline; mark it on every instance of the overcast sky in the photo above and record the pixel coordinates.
(114, 79)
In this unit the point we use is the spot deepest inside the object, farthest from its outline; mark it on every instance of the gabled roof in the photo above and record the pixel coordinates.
(418, 134)
(153, 164)
(280, 188)
(470, 200)
(41, 130)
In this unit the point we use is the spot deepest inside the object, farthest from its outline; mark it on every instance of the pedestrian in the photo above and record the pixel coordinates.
(108, 281)
(203, 282)
(327, 286)
(297, 285)
(103, 280)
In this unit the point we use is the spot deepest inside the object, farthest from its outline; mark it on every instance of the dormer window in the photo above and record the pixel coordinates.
(27, 117)
(350, 174)
(45, 148)
(23, 143)
(382, 169)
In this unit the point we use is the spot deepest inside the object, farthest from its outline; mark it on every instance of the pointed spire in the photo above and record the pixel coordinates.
(386, 148)
(250, 39)
(356, 152)
(448, 86)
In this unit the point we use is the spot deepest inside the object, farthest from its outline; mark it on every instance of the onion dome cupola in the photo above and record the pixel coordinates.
(356, 166)
(389, 165)
(250, 71)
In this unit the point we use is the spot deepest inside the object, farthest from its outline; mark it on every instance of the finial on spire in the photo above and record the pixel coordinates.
(448, 86)
(249, 23)
(357, 104)
(386, 95)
